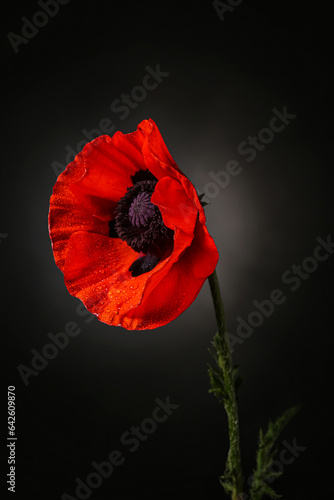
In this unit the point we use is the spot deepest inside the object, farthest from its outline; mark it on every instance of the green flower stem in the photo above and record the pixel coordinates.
(223, 384)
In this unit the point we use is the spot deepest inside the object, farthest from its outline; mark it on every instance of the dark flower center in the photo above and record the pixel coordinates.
(141, 210)
(140, 224)
(143, 265)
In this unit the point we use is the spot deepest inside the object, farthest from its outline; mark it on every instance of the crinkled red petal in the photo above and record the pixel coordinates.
(177, 209)
(156, 155)
(96, 267)
(202, 256)
(97, 272)
(107, 165)
(167, 294)
(86, 193)
(66, 217)
(160, 162)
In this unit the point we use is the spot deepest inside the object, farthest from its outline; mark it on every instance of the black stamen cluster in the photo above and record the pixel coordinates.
(145, 232)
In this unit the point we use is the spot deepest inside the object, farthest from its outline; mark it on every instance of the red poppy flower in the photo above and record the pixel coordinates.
(128, 231)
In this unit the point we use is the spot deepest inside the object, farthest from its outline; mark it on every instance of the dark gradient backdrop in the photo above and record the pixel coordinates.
(224, 79)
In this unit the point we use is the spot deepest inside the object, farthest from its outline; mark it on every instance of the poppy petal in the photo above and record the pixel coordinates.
(167, 294)
(107, 165)
(172, 290)
(156, 155)
(92, 258)
(176, 208)
(95, 265)
(66, 216)
(160, 162)
(97, 272)
(203, 255)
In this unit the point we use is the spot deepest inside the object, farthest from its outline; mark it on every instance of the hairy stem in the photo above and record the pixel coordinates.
(232, 479)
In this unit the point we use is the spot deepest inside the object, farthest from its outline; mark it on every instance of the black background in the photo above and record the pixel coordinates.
(225, 77)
